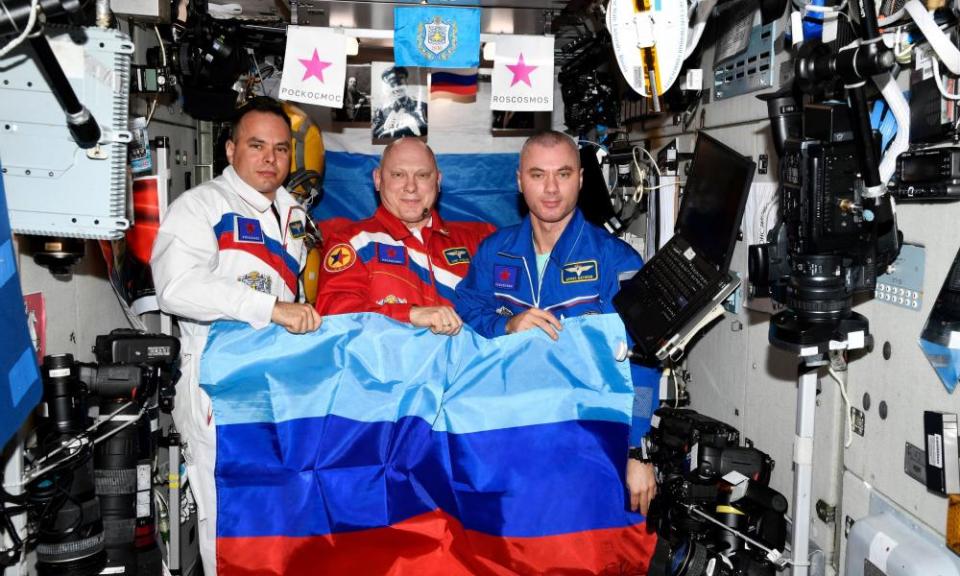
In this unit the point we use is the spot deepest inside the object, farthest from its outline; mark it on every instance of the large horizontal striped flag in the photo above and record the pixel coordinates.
(373, 448)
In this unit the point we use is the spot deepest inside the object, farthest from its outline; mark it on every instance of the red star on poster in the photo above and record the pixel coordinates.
(314, 66)
(521, 72)
(505, 275)
(391, 253)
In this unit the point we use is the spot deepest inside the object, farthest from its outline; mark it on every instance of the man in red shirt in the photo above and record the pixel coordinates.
(404, 262)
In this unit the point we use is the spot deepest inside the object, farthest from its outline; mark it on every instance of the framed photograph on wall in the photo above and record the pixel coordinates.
(510, 123)
(399, 101)
(356, 96)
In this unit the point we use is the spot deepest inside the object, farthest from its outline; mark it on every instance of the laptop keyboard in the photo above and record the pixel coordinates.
(673, 280)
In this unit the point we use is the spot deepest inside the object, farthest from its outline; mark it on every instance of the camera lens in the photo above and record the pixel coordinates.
(66, 508)
(688, 559)
(116, 480)
(818, 289)
(64, 395)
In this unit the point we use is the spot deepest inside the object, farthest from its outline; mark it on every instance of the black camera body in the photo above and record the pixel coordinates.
(831, 242)
(124, 346)
(587, 85)
(134, 363)
(703, 471)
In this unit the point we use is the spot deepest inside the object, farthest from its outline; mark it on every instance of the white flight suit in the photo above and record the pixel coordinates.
(220, 254)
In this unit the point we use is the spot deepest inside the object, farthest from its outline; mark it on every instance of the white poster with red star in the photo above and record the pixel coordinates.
(523, 73)
(314, 66)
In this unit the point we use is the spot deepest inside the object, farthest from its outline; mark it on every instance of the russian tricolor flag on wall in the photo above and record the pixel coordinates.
(454, 83)
(370, 447)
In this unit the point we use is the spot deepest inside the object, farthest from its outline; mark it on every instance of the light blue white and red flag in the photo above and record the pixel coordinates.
(370, 447)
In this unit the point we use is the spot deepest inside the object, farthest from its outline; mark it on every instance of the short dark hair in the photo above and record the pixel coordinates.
(395, 75)
(259, 104)
(551, 138)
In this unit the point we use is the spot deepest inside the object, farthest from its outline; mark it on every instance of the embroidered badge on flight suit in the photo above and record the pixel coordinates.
(257, 281)
(297, 229)
(583, 271)
(389, 254)
(248, 230)
(505, 277)
(339, 258)
(458, 255)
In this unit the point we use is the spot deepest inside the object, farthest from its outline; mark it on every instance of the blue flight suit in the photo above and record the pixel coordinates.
(581, 277)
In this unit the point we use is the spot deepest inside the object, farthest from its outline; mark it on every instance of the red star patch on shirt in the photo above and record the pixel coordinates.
(339, 258)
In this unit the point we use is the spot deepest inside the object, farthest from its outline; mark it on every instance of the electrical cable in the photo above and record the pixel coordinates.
(256, 65)
(163, 60)
(901, 112)
(31, 21)
(16, 543)
(887, 20)
(84, 441)
(848, 438)
(641, 189)
(948, 53)
(163, 49)
(821, 9)
(939, 81)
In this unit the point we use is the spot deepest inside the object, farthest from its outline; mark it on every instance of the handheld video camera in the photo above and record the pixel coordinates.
(714, 504)
(837, 229)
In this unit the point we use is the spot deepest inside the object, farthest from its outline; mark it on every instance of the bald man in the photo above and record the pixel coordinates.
(404, 262)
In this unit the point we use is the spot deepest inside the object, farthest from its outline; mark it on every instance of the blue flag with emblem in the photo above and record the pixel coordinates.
(434, 37)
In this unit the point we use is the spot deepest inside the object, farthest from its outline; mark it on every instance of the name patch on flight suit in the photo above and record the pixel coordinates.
(391, 254)
(583, 271)
(248, 230)
(505, 277)
(297, 230)
(456, 256)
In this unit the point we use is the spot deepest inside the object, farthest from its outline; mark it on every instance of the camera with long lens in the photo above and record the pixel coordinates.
(86, 509)
(837, 229)
(64, 508)
(134, 377)
(714, 512)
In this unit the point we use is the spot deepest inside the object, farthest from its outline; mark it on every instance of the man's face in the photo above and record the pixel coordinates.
(396, 87)
(408, 181)
(550, 179)
(260, 151)
(351, 82)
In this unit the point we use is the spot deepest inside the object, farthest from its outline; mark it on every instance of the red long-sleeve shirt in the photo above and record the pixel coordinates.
(379, 265)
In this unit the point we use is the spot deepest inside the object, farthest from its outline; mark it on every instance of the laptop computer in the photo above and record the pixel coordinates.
(690, 275)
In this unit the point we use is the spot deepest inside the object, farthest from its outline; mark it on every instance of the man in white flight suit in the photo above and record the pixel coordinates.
(231, 248)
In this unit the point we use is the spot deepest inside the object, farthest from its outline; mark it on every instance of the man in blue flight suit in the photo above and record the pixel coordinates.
(552, 265)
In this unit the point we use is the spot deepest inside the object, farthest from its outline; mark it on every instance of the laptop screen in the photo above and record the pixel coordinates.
(713, 200)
